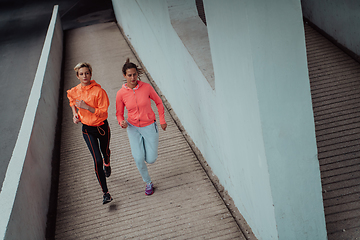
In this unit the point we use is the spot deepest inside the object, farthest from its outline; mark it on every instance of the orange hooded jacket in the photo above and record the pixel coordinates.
(94, 96)
(138, 104)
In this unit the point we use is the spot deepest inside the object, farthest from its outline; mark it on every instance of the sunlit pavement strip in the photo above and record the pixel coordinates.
(185, 204)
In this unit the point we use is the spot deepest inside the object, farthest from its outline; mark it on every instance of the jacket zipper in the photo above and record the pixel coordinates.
(137, 106)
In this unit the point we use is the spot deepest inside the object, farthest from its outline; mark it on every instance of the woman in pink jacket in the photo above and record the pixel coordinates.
(141, 124)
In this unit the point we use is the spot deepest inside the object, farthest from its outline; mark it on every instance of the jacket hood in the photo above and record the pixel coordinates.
(91, 85)
(139, 84)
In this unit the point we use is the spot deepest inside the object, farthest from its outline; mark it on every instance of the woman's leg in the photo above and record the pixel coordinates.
(150, 136)
(138, 151)
(93, 146)
(104, 140)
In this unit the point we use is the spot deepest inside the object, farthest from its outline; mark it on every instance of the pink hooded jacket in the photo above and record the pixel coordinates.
(138, 104)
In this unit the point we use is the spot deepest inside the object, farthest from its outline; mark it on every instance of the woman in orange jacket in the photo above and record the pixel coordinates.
(89, 104)
(141, 124)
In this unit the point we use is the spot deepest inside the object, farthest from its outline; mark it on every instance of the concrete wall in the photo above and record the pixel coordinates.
(339, 19)
(24, 198)
(255, 128)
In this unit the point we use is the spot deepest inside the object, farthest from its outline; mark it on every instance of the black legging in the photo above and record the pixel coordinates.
(93, 136)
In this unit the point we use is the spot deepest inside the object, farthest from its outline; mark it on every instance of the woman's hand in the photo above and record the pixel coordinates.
(76, 118)
(163, 126)
(123, 124)
(83, 105)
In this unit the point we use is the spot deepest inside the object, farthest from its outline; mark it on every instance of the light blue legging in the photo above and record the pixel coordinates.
(144, 142)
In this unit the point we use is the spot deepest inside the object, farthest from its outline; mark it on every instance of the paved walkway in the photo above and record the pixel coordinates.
(185, 204)
(335, 89)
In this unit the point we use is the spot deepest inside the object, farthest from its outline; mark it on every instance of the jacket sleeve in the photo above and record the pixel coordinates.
(70, 97)
(119, 108)
(103, 103)
(159, 104)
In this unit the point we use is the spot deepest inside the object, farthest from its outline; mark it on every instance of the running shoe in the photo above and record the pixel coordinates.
(149, 189)
(107, 169)
(107, 198)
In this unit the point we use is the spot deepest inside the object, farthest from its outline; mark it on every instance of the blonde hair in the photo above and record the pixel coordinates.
(81, 65)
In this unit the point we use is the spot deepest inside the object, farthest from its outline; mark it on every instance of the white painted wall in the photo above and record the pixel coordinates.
(24, 199)
(256, 128)
(339, 19)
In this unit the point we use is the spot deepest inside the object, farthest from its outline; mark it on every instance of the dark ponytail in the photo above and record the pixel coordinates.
(129, 65)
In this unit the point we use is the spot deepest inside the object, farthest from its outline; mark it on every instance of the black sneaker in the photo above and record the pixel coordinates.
(107, 168)
(107, 171)
(107, 198)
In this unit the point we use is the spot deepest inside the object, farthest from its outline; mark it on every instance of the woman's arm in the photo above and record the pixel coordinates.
(101, 110)
(120, 106)
(160, 107)
(75, 115)
(101, 102)
(70, 96)
(83, 105)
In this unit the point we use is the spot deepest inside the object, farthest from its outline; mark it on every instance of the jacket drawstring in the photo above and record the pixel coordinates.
(101, 131)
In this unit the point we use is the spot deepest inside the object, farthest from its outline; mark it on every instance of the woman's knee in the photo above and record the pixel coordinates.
(151, 159)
